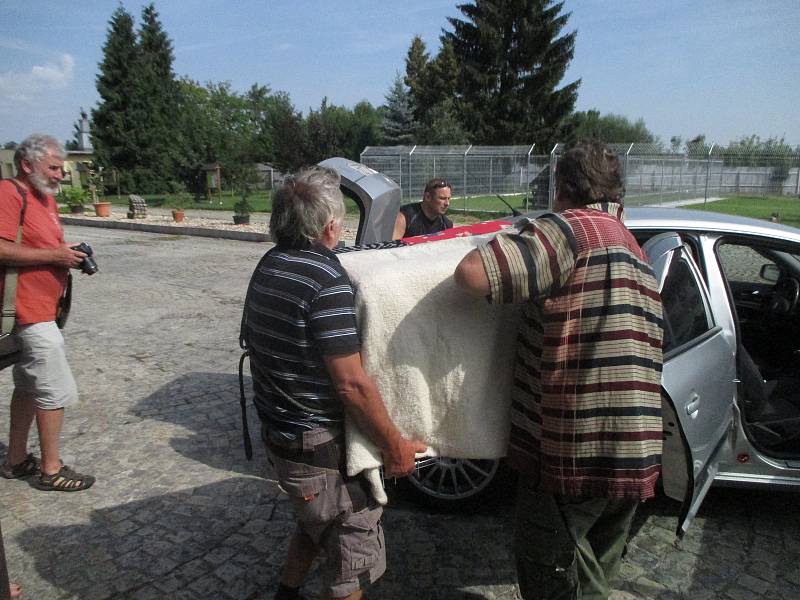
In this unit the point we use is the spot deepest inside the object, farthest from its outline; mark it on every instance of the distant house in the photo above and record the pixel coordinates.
(7, 170)
(76, 164)
(268, 176)
(75, 167)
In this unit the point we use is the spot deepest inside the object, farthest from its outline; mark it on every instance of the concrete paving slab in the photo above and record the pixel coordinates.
(178, 512)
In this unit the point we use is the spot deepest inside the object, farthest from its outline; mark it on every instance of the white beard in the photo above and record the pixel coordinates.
(43, 185)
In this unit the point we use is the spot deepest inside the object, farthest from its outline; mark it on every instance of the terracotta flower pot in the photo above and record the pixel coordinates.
(102, 209)
(178, 215)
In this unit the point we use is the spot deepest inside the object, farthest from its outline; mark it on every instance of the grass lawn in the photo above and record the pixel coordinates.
(261, 200)
(471, 207)
(481, 208)
(788, 209)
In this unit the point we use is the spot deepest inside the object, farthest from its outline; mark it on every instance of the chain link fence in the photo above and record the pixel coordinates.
(525, 177)
(477, 174)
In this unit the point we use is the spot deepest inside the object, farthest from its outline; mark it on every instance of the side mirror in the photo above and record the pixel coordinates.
(770, 272)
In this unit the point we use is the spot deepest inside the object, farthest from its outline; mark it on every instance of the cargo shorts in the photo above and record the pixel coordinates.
(42, 371)
(335, 511)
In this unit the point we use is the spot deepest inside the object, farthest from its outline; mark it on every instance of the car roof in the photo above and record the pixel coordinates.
(696, 220)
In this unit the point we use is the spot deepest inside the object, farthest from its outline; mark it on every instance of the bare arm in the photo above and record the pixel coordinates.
(363, 403)
(471, 276)
(16, 255)
(399, 227)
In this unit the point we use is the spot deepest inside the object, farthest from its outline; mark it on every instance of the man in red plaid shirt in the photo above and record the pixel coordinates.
(586, 402)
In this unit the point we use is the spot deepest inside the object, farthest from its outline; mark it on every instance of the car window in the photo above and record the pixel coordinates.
(742, 263)
(686, 315)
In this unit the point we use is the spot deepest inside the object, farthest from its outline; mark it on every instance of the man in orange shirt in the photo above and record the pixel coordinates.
(43, 382)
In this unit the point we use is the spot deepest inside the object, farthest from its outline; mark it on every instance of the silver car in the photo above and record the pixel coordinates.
(730, 288)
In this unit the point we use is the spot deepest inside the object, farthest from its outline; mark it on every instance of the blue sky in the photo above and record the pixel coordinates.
(725, 68)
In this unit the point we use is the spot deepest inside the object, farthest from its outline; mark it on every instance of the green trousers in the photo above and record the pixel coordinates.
(568, 548)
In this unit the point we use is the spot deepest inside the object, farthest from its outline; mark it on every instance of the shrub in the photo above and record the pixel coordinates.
(72, 196)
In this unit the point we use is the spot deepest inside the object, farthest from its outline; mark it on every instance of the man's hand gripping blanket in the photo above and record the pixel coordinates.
(442, 359)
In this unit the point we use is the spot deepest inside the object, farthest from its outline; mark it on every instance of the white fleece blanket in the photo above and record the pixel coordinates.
(442, 360)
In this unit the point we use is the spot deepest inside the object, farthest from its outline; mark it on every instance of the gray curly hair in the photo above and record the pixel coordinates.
(304, 205)
(36, 146)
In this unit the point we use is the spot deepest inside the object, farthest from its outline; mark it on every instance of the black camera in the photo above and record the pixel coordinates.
(88, 265)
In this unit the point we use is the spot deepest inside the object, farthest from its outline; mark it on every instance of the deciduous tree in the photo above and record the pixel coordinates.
(610, 128)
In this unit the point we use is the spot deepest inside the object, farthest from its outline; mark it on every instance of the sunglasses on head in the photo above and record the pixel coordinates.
(436, 184)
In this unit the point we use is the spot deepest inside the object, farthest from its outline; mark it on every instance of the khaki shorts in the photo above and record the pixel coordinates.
(336, 513)
(42, 371)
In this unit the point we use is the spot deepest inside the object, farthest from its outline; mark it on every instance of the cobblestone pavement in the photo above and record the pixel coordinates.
(177, 511)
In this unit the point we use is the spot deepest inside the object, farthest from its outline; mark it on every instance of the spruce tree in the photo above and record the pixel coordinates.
(156, 104)
(111, 122)
(422, 97)
(398, 124)
(511, 58)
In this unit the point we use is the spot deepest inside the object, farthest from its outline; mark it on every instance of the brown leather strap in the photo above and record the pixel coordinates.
(9, 314)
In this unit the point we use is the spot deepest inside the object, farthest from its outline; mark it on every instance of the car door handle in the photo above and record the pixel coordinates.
(693, 405)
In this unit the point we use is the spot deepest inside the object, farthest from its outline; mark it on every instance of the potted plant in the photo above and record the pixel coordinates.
(101, 208)
(178, 213)
(243, 208)
(74, 198)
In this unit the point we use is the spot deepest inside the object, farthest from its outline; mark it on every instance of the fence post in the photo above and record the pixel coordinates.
(464, 189)
(551, 184)
(797, 182)
(528, 175)
(490, 173)
(409, 171)
(708, 172)
(625, 176)
(400, 172)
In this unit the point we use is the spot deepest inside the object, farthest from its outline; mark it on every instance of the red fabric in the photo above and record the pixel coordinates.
(463, 231)
(39, 287)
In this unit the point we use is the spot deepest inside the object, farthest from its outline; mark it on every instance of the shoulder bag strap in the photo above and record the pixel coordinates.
(10, 283)
(248, 445)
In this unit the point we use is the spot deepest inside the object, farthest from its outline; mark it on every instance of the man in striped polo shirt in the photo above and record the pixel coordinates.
(300, 327)
(586, 403)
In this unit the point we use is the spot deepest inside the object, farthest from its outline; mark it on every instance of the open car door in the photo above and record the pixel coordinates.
(698, 380)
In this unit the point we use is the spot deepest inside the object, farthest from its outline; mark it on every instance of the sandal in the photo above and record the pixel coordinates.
(14, 590)
(66, 480)
(28, 467)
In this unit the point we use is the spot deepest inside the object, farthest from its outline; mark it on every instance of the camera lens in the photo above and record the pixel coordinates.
(88, 266)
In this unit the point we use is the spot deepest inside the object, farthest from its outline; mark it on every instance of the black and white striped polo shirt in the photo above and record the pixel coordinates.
(299, 308)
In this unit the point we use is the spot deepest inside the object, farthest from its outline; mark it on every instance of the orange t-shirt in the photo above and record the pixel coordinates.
(39, 287)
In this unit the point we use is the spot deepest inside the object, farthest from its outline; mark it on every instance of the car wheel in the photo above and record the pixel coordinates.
(442, 481)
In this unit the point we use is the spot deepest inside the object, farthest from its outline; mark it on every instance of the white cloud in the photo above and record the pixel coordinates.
(19, 86)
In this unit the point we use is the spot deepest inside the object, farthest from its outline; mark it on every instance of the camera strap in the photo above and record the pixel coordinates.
(64, 303)
(263, 374)
(9, 314)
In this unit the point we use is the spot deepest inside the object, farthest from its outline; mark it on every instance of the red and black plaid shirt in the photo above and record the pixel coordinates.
(587, 386)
